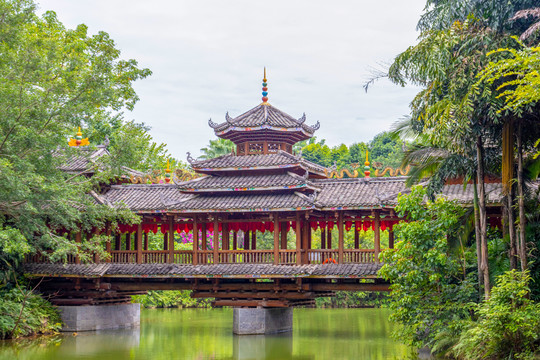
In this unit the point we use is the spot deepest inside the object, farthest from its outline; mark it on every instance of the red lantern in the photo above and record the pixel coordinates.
(383, 225)
(348, 225)
(220, 227)
(367, 225)
(358, 225)
(330, 225)
(244, 227)
(322, 224)
(313, 225)
(269, 225)
(288, 226)
(163, 228)
(210, 227)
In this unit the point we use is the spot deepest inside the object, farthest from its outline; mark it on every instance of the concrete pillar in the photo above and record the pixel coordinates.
(259, 321)
(99, 317)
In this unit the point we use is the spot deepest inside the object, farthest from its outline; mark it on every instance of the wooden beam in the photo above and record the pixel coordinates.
(171, 240)
(250, 303)
(341, 240)
(216, 241)
(139, 244)
(253, 295)
(377, 239)
(276, 240)
(298, 240)
(195, 242)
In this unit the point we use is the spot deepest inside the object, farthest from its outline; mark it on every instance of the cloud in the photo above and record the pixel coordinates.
(207, 59)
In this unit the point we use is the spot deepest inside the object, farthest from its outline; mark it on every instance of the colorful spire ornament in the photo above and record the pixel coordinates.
(168, 173)
(265, 89)
(366, 167)
(79, 141)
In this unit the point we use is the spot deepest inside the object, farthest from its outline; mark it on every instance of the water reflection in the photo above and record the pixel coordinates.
(207, 334)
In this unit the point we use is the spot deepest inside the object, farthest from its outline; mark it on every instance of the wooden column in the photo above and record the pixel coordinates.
(298, 240)
(235, 240)
(204, 245)
(171, 240)
(356, 238)
(390, 239)
(284, 235)
(377, 231)
(329, 238)
(323, 238)
(341, 244)
(138, 244)
(276, 239)
(78, 240)
(108, 243)
(254, 240)
(118, 242)
(305, 230)
(216, 241)
(165, 241)
(195, 242)
(145, 241)
(246, 240)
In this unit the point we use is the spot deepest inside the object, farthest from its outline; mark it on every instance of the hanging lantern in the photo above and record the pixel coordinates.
(322, 224)
(330, 225)
(358, 225)
(383, 225)
(348, 225)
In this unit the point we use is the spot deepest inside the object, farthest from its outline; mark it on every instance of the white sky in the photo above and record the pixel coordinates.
(207, 58)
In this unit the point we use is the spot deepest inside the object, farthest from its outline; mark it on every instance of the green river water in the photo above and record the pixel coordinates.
(167, 334)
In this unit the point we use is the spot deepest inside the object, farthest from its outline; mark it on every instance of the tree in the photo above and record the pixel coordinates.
(216, 148)
(52, 80)
(429, 270)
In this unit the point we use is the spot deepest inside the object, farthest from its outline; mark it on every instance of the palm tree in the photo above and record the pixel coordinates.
(534, 27)
(216, 148)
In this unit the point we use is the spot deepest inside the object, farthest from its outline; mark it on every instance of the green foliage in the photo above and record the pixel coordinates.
(216, 148)
(24, 313)
(356, 299)
(430, 278)
(385, 150)
(508, 325)
(169, 299)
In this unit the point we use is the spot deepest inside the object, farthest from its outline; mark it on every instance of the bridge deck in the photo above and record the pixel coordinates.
(247, 271)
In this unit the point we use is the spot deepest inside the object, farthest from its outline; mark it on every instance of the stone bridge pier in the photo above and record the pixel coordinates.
(262, 321)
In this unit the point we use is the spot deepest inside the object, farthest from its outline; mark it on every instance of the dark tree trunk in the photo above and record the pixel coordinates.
(477, 236)
(513, 251)
(521, 201)
(482, 215)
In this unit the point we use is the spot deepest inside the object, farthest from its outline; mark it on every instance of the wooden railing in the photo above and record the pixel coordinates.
(124, 256)
(183, 257)
(358, 256)
(286, 257)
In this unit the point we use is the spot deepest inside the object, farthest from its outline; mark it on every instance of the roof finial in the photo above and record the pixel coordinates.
(265, 89)
(168, 173)
(78, 141)
(366, 167)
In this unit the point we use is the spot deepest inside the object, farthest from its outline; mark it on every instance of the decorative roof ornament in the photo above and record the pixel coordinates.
(212, 124)
(316, 126)
(265, 89)
(228, 118)
(302, 119)
(79, 141)
(168, 173)
(189, 158)
(366, 167)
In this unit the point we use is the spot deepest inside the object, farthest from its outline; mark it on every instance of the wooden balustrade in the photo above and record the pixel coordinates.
(183, 257)
(286, 257)
(155, 256)
(124, 256)
(359, 256)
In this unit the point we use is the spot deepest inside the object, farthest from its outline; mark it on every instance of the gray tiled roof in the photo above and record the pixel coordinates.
(358, 192)
(85, 160)
(245, 183)
(466, 195)
(145, 197)
(281, 159)
(187, 271)
(244, 202)
(262, 115)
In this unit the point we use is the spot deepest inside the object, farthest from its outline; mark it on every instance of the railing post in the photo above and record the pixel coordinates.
(171, 240)
(341, 238)
(298, 240)
(276, 239)
(377, 230)
(139, 244)
(195, 241)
